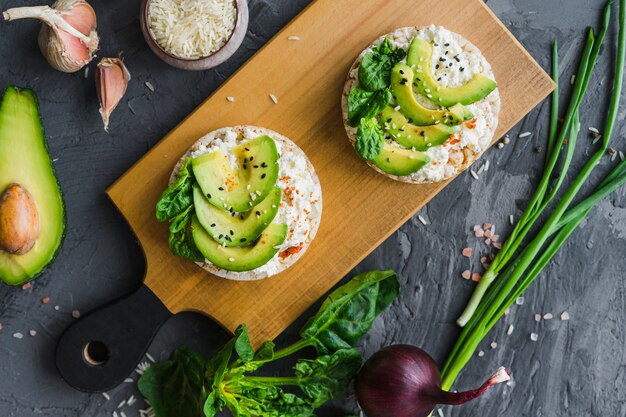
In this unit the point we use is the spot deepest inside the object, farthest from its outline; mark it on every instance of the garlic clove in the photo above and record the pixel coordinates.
(112, 79)
(19, 220)
(68, 37)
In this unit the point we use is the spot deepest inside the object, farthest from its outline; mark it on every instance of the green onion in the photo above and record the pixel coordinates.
(515, 267)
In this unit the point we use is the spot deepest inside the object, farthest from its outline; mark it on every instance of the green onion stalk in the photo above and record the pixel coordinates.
(512, 271)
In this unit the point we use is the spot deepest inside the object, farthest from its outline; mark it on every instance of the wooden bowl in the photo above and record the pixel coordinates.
(198, 64)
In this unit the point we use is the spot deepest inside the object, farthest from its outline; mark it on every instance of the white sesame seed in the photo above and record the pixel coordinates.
(487, 165)
(572, 79)
(121, 404)
(534, 337)
(231, 259)
(422, 220)
(293, 38)
(274, 99)
(596, 139)
(493, 345)
(122, 414)
(509, 331)
(525, 134)
(506, 139)
(480, 170)
(565, 316)
(500, 145)
(150, 358)
(397, 108)
(115, 414)
(149, 85)
(511, 219)
(613, 156)
(440, 412)
(473, 174)
(621, 155)
(594, 130)
(519, 301)
(129, 380)
(481, 354)
(18, 335)
(548, 316)
(106, 396)
(230, 98)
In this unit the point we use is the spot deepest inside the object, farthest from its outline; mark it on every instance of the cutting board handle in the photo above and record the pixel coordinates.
(98, 351)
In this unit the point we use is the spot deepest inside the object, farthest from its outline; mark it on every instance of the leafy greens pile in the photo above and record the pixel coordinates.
(371, 96)
(188, 385)
(176, 205)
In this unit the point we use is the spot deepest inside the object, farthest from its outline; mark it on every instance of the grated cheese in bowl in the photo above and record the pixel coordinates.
(191, 29)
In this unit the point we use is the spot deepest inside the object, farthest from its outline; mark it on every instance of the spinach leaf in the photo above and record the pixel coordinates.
(215, 373)
(181, 221)
(349, 311)
(178, 196)
(370, 139)
(325, 377)
(242, 344)
(376, 65)
(265, 352)
(366, 104)
(175, 388)
(181, 244)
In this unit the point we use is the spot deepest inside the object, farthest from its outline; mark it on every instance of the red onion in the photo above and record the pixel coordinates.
(404, 381)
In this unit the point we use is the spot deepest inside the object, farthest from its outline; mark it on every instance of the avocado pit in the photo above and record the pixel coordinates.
(19, 220)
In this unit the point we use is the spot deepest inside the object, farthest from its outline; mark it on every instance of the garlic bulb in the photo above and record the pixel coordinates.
(68, 37)
(112, 78)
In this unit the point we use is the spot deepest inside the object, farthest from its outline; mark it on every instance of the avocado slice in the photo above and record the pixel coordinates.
(244, 258)
(24, 160)
(402, 78)
(400, 161)
(236, 229)
(241, 188)
(420, 56)
(420, 138)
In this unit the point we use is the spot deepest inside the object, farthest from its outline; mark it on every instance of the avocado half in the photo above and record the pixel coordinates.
(24, 160)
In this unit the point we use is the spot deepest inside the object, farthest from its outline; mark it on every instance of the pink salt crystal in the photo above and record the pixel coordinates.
(483, 259)
(476, 227)
(479, 233)
(488, 234)
(467, 252)
(33, 333)
(26, 286)
(76, 314)
(476, 277)
(537, 317)
(487, 242)
(497, 245)
(495, 238)
(466, 274)
(486, 226)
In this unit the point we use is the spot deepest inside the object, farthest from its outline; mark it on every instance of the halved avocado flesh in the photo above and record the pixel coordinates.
(420, 138)
(24, 160)
(402, 78)
(420, 56)
(245, 186)
(236, 229)
(399, 161)
(244, 258)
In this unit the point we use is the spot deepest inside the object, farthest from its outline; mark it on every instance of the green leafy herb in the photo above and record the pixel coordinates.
(187, 385)
(376, 65)
(181, 244)
(370, 139)
(178, 196)
(366, 104)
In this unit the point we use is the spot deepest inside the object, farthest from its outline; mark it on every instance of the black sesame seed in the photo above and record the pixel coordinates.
(388, 160)
(389, 120)
(435, 44)
(447, 52)
(243, 239)
(417, 79)
(251, 158)
(410, 120)
(446, 44)
(208, 195)
(439, 79)
(245, 166)
(212, 224)
(456, 57)
(264, 165)
(258, 213)
(245, 160)
(401, 72)
(263, 176)
(461, 69)
(437, 66)
(241, 217)
(220, 188)
(220, 236)
(256, 166)
(422, 133)
(401, 130)
(232, 233)
(247, 149)
(442, 59)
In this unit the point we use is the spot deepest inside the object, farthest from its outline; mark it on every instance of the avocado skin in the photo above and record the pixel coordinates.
(420, 138)
(245, 258)
(13, 98)
(402, 79)
(213, 171)
(420, 53)
(400, 161)
(249, 228)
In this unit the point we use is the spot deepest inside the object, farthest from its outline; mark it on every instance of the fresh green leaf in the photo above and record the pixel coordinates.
(181, 221)
(370, 139)
(376, 65)
(265, 352)
(365, 104)
(181, 244)
(242, 344)
(325, 377)
(349, 311)
(175, 387)
(178, 196)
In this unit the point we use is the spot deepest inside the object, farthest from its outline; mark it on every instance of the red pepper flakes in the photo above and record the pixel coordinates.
(471, 124)
(45, 300)
(290, 251)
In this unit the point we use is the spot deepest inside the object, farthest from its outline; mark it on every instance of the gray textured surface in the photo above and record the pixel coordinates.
(576, 367)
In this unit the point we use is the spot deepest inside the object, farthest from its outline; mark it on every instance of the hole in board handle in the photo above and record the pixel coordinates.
(96, 353)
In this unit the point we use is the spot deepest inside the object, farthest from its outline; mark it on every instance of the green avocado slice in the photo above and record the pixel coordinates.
(243, 258)
(245, 186)
(420, 138)
(420, 56)
(402, 77)
(400, 161)
(24, 160)
(236, 229)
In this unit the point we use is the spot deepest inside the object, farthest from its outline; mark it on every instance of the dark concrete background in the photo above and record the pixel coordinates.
(577, 367)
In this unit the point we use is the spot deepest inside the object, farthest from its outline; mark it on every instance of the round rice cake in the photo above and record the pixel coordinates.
(301, 205)
(452, 157)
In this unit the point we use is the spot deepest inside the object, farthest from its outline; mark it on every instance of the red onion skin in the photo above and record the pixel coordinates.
(404, 381)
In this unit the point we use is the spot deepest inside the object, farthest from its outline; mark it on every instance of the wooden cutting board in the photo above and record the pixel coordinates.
(361, 207)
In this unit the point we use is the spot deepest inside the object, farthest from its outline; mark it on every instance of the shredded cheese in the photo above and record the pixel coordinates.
(192, 29)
